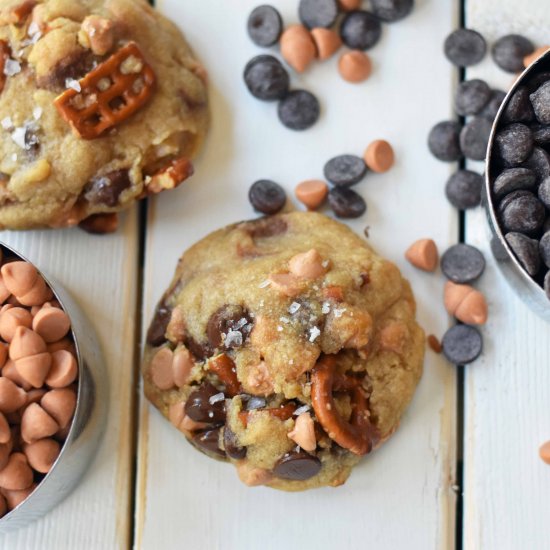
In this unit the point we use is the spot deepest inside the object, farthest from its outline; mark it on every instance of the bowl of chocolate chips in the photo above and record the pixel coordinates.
(518, 186)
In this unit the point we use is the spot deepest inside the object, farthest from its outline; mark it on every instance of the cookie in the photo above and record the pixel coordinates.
(102, 103)
(286, 346)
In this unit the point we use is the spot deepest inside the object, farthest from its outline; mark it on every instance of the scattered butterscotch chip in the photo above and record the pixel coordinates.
(327, 41)
(355, 66)
(532, 57)
(544, 452)
(423, 254)
(434, 343)
(311, 193)
(379, 156)
(349, 5)
(466, 303)
(297, 47)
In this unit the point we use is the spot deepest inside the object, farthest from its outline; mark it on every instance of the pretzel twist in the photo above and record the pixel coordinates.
(224, 367)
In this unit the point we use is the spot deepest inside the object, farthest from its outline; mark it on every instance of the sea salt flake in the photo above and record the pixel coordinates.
(210, 414)
(279, 328)
(14, 157)
(233, 339)
(240, 323)
(339, 312)
(37, 113)
(74, 84)
(7, 123)
(325, 264)
(264, 284)
(285, 320)
(291, 362)
(18, 136)
(216, 398)
(301, 410)
(326, 308)
(12, 67)
(314, 333)
(33, 29)
(294, 307)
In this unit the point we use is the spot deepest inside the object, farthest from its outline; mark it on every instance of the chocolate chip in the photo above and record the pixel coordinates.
(539, 162)
(526, 251)
(297, 466)
(462, 344)
(299, 110)
(499, 252)
(463, 189)
(491, 109)
(345, 170)
(547, 285)
(541, 134)
(72, 66)
(465, 47)
(471, 97)
(391, 10)
(228, 318)
(264, 228)
(514, 143)
(106, 189)
(346, 203)
(462, 263)
(208, 442)
(255, 403)
(318, 13)
(513, 179)
(157, 328)
(360, 30)
(544, 192)
(544, 249)
(522, 212)
(199, 408)
(231, 444)
(509, 51)
(266, 78)
(199, 350)
(267, 196)
(474, 138)
(265, 26)
(519, 107)
(538, 80)
(444, 141)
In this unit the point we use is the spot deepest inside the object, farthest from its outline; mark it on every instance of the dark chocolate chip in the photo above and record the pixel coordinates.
(462, 344)
(544, 192)
(225, 319)
(547, 285)
(514, 143)
(264, 228)
(199, 408)
(509, 51)
(106, 189)
(474, 138)
(462, 263)
(231, 444)
(513, 179)
(299, 110)
(318, 13)
(297, 466)
(345, 170)
(538, 80)
(73, 66)
(540, 99)
(499, 251)
(444, 141)
(526, 251)
(541, 134)
(491, 109)
(471, 96)
(539, 162)
(346, 203)
(266, 78)
(522, 212)
(519, 108)
(265, 26)
(391, 10)
(208, 442)
(255, 403)
(465, 47)
(200, 350)
(157, 328)
(544, 249)
(267, 197)
(463, 189)
(360, 30)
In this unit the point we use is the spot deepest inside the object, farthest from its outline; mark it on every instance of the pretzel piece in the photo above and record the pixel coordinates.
(109, 94)
(170, 177)
(224, 367)
(356, 435)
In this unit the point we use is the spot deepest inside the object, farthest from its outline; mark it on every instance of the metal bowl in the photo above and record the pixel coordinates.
(521, 282)
(88, 422)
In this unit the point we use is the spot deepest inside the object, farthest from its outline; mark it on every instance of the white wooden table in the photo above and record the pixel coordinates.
(148, 488)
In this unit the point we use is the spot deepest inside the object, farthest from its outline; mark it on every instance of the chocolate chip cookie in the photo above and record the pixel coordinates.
(286, 346)
(101, 103)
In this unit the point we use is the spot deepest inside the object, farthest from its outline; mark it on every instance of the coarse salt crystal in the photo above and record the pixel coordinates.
(314, 333)
(294, 307)
(74, 84)
(326, 308)
(291, 362)
(7, 123)
(339, 312)
(14, 157)
(279, 328)
(285, 320)
(233, 339)
(216, 398)
(210, 414)
(18, 136)
(301, 410)
(33, 29)
(37, 113)
(325, 263)
(12, 67)
(240, 323)
(265, 284)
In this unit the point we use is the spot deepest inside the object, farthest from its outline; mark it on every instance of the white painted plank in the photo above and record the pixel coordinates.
(101, 273)
(400, 497)
(506, 485)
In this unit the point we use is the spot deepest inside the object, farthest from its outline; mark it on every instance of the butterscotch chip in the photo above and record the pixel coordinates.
(423, 254)
(349, 5)
(51, 323)
(355, 66)
(36, 424)
(63, 370)
(327, 42)
(60, 404)
(42, 454)
(16, 474)
(298, 47)
(544, 452)
(379, 156)
(311, 193)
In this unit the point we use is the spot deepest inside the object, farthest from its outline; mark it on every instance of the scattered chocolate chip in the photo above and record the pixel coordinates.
(345, 170)
(513, 179)
(499, 252)
(526, 251)
(519, 107)
(522, 212)
(462, 263)
(514, 143)
(463, 189)
(228, 318)
(491, 109)
(360, 30)
(106, 189)
(346, 203)
(539, 162)
(266, 78)
(541, 134)
(462, 344)
(208, 442)
(474, 138)
(465, 47)
(299, 110)
(265, 26)
(509, 51)
(544, 249)
(231, 444)
(444, 141)
(255, 403)
(297, 466)
(540, 100)
(157, 328)
(544, 192)
(318, 13)
(391, 10)
(199, 408)
(471, 96)
(267, 196)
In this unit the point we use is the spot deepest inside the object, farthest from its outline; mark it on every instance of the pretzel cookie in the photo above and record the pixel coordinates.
(286, 346)
(101, 103)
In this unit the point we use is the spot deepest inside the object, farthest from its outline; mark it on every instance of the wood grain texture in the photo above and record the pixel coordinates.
(506, 485)
(101, 273)
(401, 496)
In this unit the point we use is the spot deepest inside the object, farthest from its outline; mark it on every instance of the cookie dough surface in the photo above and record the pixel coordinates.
(50, 176)
(287, 346)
